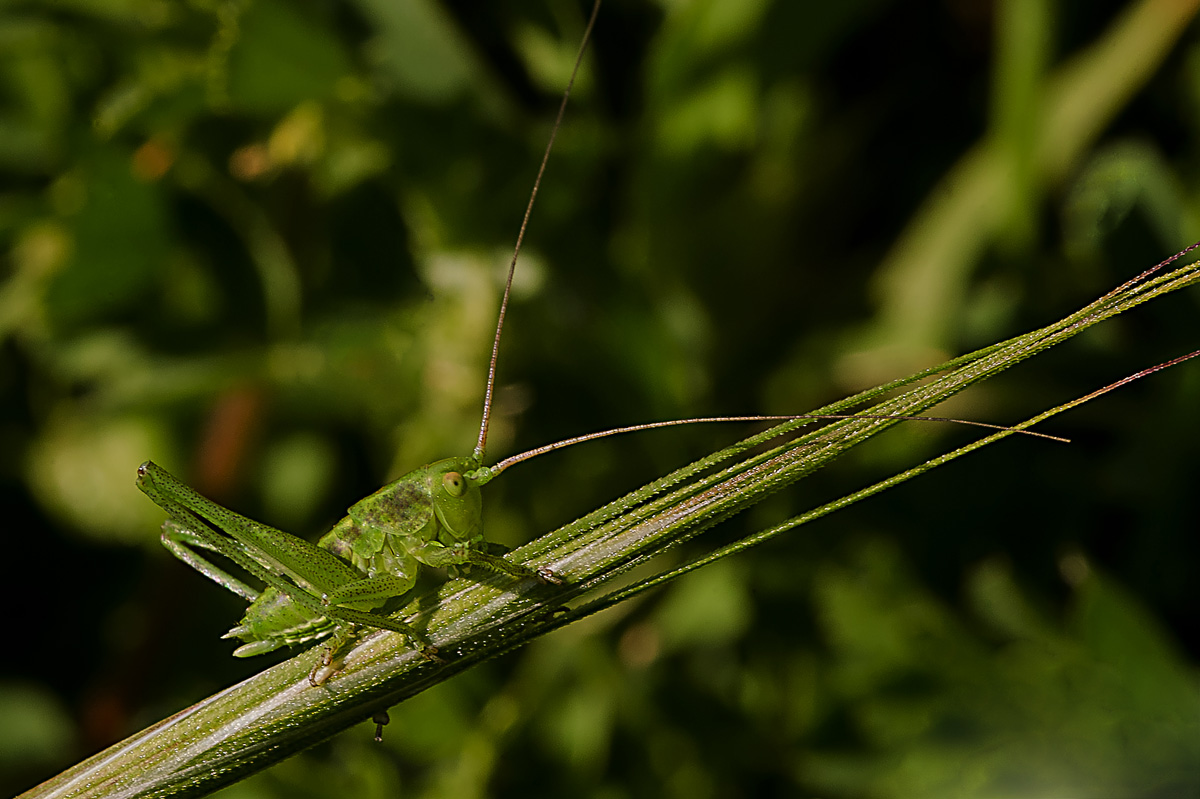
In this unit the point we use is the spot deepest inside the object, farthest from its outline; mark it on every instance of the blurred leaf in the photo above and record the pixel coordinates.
(419, 49)
(1156, 685)
(282, 57)
(36, 727)
(80, 466)
(1107, 709)
(708, 608)
(35, 86)
(120, 241)
(1119, 178)
(297, 473)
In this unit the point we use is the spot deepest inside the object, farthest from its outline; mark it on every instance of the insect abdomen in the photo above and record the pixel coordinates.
(274, 620)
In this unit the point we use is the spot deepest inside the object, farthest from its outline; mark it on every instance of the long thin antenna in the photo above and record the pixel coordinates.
(492, 471)
(481, 444)
(542, 450)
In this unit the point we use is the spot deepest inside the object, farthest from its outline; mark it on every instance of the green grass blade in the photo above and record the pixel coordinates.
(276, 713)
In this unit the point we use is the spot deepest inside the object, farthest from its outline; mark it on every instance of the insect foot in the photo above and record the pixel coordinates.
(430, 653)
(324, 668)
(332, 659)
(547, 576)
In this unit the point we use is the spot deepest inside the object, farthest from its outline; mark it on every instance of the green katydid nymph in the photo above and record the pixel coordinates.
(341, 586)
(430, 516)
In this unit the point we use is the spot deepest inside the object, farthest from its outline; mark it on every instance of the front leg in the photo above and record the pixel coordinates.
(462, 553)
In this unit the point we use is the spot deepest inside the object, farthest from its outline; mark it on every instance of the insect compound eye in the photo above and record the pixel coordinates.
(454, 483)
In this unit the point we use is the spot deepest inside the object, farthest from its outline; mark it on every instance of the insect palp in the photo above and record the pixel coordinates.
(481, 475)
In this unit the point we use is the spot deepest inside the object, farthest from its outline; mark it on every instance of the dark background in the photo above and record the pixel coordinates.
(260, 243)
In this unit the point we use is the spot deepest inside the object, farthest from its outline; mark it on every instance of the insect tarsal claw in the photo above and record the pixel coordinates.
(324, 668)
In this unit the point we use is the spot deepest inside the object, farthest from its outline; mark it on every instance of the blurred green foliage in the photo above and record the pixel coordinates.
(260, 242)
